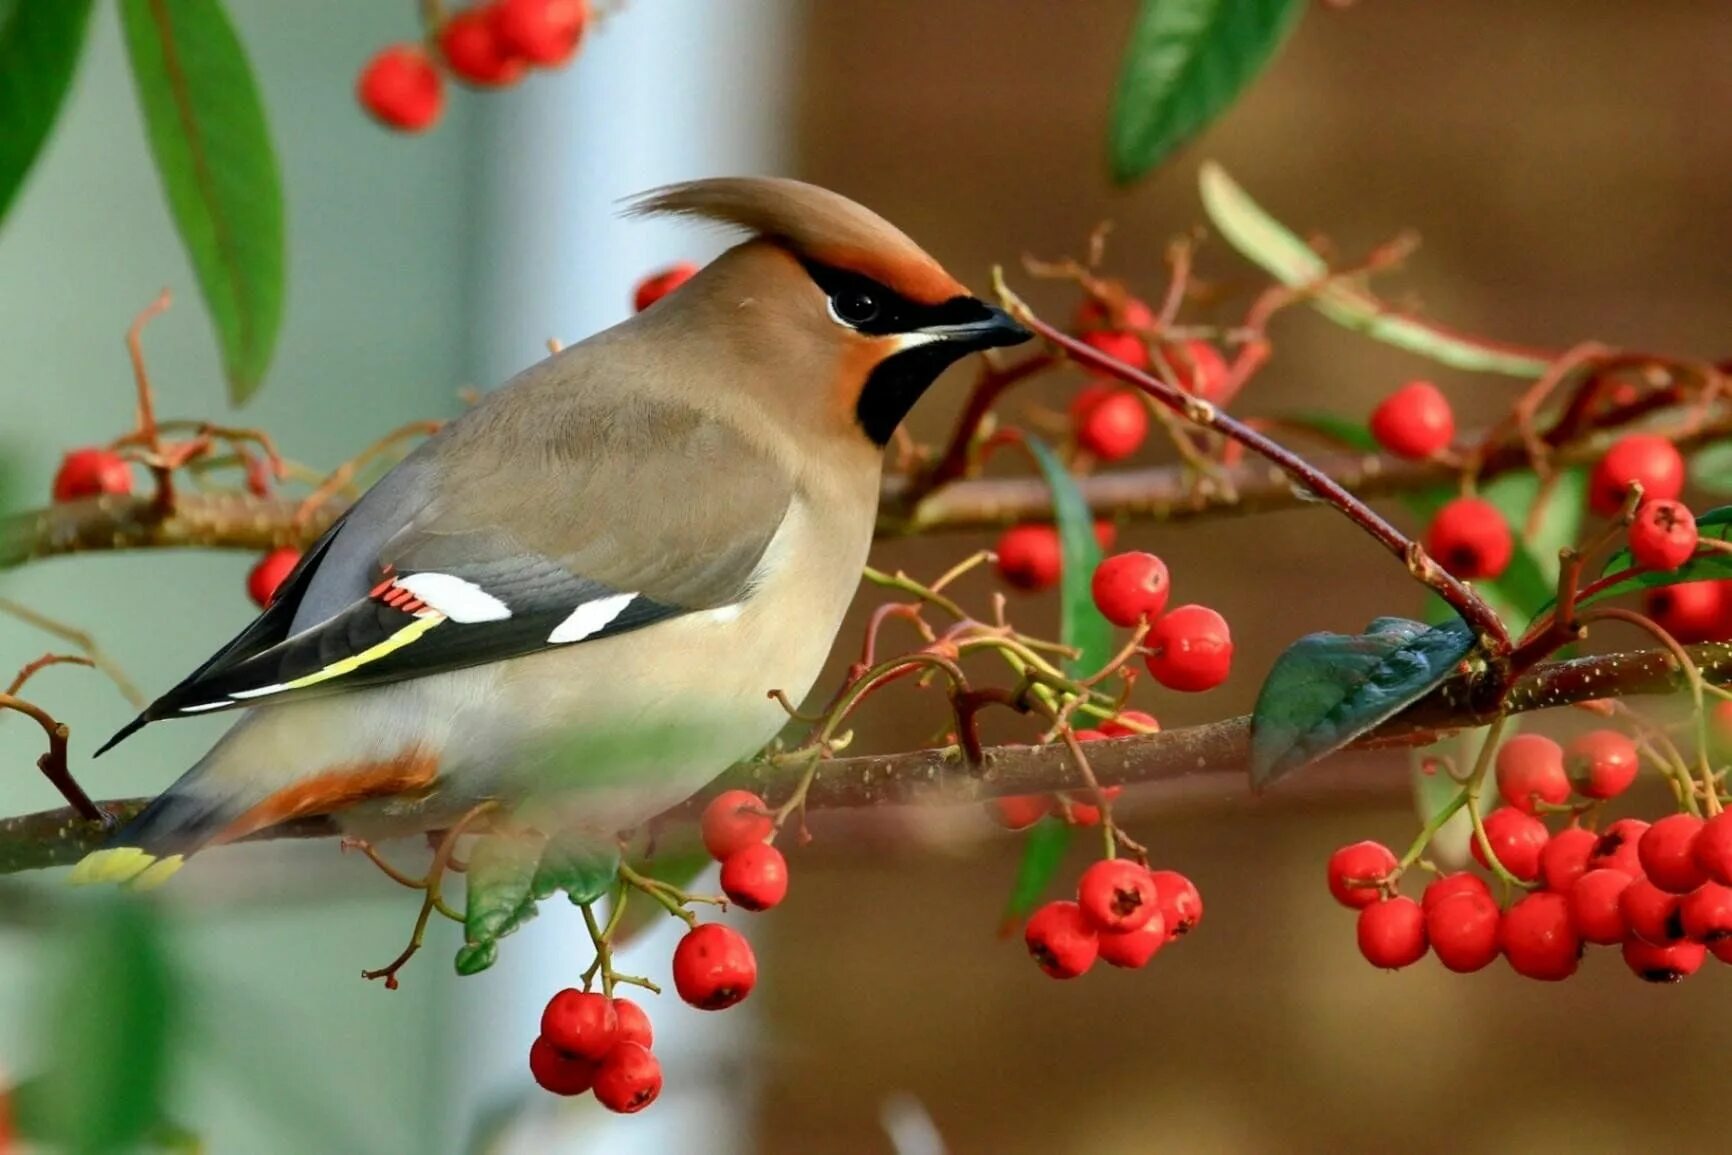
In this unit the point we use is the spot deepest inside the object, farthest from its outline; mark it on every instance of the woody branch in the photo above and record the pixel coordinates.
(1197, 766)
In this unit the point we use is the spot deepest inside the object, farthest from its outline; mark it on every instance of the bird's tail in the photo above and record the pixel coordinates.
(148, 850)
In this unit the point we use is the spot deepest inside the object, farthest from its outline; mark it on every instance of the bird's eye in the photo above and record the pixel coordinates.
(854, 306)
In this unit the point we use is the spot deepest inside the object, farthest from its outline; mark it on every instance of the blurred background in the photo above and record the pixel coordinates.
(1566, 168)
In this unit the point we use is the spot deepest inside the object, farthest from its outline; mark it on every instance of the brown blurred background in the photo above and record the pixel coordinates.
(1567, 167)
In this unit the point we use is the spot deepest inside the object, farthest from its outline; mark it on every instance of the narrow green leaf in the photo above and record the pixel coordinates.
(206, 125)
(1343, 431)
(1264, 241)
(1327, 689)
(1711, 467)
(576, 866)
(1186, 62)
(501, 896)
(1081, 626)
(111, 1024)
(40, 42)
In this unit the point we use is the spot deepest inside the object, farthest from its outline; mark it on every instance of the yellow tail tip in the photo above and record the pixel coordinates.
(157, 872)
(121, 864)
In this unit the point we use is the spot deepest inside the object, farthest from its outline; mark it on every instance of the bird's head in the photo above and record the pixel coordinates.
(842, 320)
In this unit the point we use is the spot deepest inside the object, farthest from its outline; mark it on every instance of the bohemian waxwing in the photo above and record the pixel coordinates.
(581, 593)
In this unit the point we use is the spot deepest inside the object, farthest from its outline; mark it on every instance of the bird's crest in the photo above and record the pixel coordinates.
(814, 223)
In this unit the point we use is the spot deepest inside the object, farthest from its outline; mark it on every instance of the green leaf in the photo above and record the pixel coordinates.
(1186, 62)
(577, 866)
(1265, 242)
(1715, 524)
(1082, 627)
(111, 1025)
(1711, 467)
(40, 41)
(1327, 689)
(206, 125)
(501, 896)
(1343, 431)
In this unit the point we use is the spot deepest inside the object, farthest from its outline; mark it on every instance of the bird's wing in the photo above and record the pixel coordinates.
(496, 540)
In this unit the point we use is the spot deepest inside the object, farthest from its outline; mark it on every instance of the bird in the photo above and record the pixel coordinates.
(580, 595)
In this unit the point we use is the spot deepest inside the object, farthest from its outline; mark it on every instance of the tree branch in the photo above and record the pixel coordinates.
(1213, 755)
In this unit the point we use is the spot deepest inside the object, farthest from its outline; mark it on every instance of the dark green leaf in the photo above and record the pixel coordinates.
(1715, 524)
(207, 130)
(1327, 689)
(1042, 853)
(1186, 62)
(110, 1025)
(39, 47)
(576, 866)
(1333, 427)
(501, 898)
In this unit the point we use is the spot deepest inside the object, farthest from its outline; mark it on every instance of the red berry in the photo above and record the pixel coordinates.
(714, 967)
(658, 285)
(1117, 895)
(1664, 964)
(1114, 426)
(1618, 847)
(1470, 539)
(1126, 312)
(1029, 557)
(1061, 940)
(1451, 885)
(1106, 533)
(1134, 948)
(1706, 913)
(1128, 587)
(1517, 839)
(634, 1024)
(1120, 346)
(1120, 725)
(1601, 764)
(1415, 421)
(1667, 852)
(734, 820)
(1190, 649)
(267, 576)
(1180, 902)
(1538, 938)
(1019, 811)
(546, 32)
(1530, 769)
(91, 473)
(1714, 848)
(1651, 914)
(1647, 458)
(471, 45)
(1356, 870)
(581, 1023)
(402, 89)
(1392, 933)
(1663, 536)
(755, 876)
(1088, 813)
(1721, 949)
(1462, 930)
(558, 1072)
(629, 1079)
(1594, 906)
(1565, 858)
(1198, 367)
(1689, 611)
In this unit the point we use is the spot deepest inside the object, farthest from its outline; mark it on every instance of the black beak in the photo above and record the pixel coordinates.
(992, 329)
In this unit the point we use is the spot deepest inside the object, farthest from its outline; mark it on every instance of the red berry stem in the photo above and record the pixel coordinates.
(1472, 608)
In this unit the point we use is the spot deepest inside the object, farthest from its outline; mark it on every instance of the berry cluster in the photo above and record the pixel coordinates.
(491, 45)
(597, 1042)
(1661, 892)
(590, 1042)
(1123, 913)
